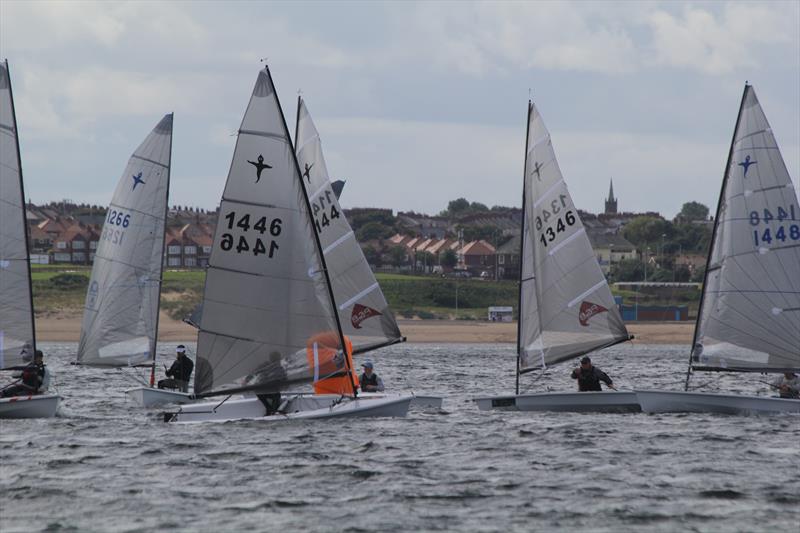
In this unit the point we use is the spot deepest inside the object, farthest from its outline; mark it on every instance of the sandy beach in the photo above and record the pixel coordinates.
(67, 329)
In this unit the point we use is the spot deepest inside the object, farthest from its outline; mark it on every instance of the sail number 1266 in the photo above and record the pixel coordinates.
(256, 245)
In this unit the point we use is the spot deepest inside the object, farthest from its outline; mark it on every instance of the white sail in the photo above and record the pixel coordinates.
(120, 318)
(566, 305)
(750, 312)
(266, 294)
(363, 311)
(16, 308)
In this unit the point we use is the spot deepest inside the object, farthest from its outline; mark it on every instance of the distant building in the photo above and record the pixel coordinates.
(611, 202)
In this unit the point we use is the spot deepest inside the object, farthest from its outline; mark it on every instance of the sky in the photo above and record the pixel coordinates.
(417, 104)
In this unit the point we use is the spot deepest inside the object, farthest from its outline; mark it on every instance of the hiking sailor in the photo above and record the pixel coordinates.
(179, 373)
(589, 377)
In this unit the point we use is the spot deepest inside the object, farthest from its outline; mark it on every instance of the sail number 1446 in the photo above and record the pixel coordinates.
(256, 245)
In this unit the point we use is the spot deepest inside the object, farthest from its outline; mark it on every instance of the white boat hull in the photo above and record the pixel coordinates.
(574, 402)
(293, 407)
(38, 406)
(152, 397)
(418, 401)
(704, 402)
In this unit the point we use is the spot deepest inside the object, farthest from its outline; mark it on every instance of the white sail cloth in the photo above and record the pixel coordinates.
(121, 313)
(266, 295)
(16, 314)
(363, 311)
(566, 305)
(750, 316)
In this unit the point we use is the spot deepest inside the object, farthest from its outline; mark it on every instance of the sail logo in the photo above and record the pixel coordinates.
(746, 164)
(307, 172)
(260, 165)
(137, 179)
(588, 310)
(360, 314)
(94, 289)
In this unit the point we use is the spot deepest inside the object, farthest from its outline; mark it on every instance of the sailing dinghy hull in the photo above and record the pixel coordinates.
(152, 397)
(39, 406)
(704, 402)
(574, 402)
(418, 401)
(293, 407)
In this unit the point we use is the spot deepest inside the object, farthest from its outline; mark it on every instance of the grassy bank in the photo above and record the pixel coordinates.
(63, 290)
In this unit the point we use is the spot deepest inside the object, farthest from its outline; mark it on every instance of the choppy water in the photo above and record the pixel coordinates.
(105, 465)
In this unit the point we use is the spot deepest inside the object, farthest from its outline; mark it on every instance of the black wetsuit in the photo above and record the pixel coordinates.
(589, 380)
(180, 372)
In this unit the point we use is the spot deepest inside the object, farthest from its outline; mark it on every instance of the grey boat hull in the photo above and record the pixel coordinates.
(574, 402)
(704, 402)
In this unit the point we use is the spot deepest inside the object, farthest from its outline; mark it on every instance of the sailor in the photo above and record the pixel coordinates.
(32, 378)
(179, 373)
(589, 376)
(788, 385)
(370, 381)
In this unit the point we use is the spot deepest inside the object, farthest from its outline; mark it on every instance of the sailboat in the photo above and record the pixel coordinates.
(17, 328)
(364, 314)
(269, 319)
(120, 317)
(566, 309)
(749, 315)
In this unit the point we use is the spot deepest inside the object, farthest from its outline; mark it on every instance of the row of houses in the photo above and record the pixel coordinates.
(65, 239)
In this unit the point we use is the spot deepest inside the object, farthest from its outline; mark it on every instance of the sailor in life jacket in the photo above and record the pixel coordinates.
(370, 381)
(329, 365)
(34, 378)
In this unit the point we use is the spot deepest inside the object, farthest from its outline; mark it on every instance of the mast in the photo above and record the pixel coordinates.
(316, 237)
(24, 208)
(163, 244)
(522, 245)
(714, 236)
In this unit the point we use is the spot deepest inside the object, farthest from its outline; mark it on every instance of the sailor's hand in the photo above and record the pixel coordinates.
(612, 387)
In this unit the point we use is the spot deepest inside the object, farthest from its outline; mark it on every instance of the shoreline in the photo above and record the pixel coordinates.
(68, 328)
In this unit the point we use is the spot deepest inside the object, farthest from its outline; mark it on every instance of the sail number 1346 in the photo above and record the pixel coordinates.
(257, 245)
(555, 224)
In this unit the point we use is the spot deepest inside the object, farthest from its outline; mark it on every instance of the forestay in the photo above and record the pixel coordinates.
(120, 317)
(566, 305)
(363, 311)
(16, 310)
(750, 313)
(266, 295)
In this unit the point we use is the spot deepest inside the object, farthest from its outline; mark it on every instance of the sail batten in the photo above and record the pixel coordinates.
(364, 314)
(120, 319)
(754, 258)
(17, 330)
(566, 306)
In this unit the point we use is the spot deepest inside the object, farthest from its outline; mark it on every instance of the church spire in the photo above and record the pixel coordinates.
(611, 202)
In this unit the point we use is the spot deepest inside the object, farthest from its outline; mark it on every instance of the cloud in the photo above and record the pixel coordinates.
(711, 44)
(485, 38)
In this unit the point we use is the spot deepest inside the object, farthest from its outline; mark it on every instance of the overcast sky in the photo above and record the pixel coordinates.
(416, 103)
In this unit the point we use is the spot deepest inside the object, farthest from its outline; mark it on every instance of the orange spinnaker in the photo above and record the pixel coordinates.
(321, 350)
